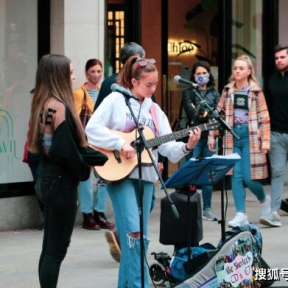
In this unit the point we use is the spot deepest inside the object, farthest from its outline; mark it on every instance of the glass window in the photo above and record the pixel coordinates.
(115, 38)
(247, 32)
(18, 56)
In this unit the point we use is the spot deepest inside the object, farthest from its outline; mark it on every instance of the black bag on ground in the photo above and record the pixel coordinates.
(175, 231)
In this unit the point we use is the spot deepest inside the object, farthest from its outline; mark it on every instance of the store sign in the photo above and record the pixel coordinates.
(176, 47)
(12, 169)
(7, 142)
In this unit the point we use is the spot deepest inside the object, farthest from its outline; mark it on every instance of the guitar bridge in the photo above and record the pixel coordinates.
(117, 156)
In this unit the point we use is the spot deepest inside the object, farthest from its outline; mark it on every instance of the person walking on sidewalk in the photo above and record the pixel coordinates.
(201, 74)
(92, 208)
(140, 76)
(277, 100)
(244, 105)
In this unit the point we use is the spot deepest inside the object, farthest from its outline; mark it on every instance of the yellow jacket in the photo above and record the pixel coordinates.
(79, 96)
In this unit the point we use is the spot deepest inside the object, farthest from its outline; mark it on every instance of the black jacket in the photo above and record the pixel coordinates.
(196, 115)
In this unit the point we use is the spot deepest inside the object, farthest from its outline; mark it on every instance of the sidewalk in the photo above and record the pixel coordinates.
(88, 263)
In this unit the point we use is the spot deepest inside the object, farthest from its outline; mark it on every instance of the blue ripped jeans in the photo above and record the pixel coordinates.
(58, 194)
(125, 201)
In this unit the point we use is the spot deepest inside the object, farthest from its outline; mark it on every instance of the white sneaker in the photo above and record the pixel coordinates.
(265, 208)
(272, 220)
(239, 220)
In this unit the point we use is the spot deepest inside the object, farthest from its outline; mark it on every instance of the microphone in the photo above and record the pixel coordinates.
(178, 79)
(117, 88)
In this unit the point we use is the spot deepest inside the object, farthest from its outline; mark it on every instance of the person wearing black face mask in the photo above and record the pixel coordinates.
(197, 114)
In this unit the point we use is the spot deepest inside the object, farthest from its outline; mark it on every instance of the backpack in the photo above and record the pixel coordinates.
(179, 263)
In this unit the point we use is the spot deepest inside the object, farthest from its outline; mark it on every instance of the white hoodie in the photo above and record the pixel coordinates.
(114, 114)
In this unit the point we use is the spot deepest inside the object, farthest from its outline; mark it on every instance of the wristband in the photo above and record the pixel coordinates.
(186, 150)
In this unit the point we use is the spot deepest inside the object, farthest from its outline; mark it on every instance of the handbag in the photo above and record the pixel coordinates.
(85, 113)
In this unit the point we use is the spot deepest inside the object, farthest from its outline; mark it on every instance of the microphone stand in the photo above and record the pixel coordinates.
(216, 115)
(141, 143)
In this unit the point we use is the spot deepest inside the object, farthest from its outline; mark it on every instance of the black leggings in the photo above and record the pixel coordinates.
(58, 194)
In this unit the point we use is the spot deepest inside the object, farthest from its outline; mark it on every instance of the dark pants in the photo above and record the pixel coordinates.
(58, 194)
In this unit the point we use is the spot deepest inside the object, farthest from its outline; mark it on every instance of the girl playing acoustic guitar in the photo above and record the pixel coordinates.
(106, 130)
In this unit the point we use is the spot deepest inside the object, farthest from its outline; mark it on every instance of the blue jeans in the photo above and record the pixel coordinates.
(58, 194)
(125, 200)
(241, 171)
(278, 160)
(87, 201)
(202, 150)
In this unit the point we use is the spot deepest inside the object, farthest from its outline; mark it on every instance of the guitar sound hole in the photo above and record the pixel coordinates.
(117, 156)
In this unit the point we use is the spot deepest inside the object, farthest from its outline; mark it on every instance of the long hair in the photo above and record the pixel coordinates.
(252, 76)
(133, 69)
(53, 80)
(206, 65)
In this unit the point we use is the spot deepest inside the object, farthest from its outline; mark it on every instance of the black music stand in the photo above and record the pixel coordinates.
(198, 172)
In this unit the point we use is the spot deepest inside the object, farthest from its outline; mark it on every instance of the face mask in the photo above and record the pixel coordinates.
(202, 79)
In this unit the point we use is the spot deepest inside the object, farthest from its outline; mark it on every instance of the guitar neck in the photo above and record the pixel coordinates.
(179, 134)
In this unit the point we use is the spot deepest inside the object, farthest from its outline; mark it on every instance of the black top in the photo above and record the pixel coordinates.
(105, 89)
(64, 154)
(196, 115)
(277, 102)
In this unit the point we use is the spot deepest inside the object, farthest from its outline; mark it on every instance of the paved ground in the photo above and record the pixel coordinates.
(89, 265)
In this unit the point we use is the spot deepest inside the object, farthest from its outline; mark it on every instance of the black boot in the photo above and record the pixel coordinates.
(89, 222)
(284, 205)
(102, 221)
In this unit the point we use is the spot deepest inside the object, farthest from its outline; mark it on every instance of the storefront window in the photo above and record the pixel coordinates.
(18, 56)
(192, 36)
(247, 32)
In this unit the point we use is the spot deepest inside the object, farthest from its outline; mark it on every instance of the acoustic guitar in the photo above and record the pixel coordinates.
(117, 167)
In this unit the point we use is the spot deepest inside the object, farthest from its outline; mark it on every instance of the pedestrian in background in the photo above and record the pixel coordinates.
(197, 113)
(277, 100)
(244, 105)
(92, 208)
(33, 161)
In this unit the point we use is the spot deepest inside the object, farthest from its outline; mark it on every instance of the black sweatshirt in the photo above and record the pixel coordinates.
(277, 102)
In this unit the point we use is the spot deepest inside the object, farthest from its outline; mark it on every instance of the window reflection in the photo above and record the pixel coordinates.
(18, 56)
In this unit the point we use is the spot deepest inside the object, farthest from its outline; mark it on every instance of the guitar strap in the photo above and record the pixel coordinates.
(154, 118)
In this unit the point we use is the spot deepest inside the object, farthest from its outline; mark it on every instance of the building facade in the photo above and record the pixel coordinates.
(175, 32)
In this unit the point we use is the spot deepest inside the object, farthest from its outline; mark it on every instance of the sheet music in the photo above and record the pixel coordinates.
(205, 171)
(216, 156)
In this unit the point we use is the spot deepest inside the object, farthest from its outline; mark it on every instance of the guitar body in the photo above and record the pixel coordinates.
(117, 167)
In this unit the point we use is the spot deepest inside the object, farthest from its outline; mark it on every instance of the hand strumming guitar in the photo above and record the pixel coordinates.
(128, 151)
